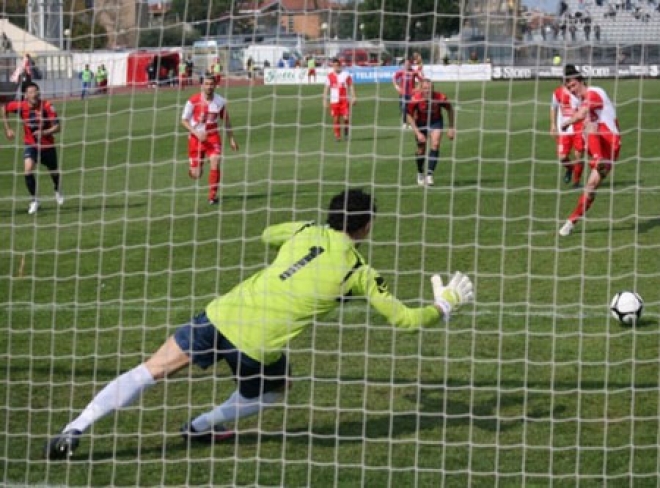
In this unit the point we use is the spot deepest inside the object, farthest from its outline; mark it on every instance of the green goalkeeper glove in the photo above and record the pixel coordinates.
(458, 291)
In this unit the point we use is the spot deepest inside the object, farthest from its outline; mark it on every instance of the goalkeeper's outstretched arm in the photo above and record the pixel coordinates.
(368, 283)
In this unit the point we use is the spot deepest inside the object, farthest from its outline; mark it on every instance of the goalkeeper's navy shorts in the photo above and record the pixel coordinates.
(206, 345)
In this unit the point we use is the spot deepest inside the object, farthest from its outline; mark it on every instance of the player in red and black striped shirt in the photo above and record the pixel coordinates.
(40, 123)
(405, 81)
(425, 118)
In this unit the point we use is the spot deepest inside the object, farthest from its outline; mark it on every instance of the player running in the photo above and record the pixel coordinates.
(40, 124)
(426, 120)
(249, 327)
(338, 84)
(201, 116)
(570, 142)
(601, 130)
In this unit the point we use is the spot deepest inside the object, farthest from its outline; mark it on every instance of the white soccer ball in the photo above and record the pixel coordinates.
(627, 307)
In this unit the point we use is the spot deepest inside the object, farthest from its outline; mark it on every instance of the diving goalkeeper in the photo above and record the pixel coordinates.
(249, 327)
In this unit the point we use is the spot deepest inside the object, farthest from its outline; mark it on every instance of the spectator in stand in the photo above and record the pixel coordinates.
(6, 43)
(587, 31)
(597, 32)
(573, 30)
(555, 31)
(292, 62)
(280, 63)
(474, 58)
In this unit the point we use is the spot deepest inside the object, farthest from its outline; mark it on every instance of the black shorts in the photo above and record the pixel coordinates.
(47, 156)
(206, 345)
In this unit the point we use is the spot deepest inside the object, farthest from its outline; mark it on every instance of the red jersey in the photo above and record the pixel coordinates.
(339, 83)
(601, 110)
(428, 110)
(406, 79)
(565, 104)
(41, 117)
(205, 115)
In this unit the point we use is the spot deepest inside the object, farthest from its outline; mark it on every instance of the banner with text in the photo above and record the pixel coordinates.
(587, 70)
(378, 74)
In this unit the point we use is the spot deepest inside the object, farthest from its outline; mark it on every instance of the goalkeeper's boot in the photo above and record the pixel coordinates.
(63, 445)
(429, 180)
(218, 434)
(59, 198)
(566, 229)
(568, 176)
(214, 201)
(421, 181)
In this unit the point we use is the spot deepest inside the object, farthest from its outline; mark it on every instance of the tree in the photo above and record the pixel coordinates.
(404, 20)
(201, 13)
(173, 35)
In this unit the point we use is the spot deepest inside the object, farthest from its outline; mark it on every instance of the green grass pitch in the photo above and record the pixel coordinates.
(535, 384)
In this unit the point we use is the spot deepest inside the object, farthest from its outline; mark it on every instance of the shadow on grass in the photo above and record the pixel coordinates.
(68, 209)
(253, 196)
(647, 225)
(434, 411)
(642, 227)
(379, 137)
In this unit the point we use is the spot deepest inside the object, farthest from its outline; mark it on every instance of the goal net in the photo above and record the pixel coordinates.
(535, 383)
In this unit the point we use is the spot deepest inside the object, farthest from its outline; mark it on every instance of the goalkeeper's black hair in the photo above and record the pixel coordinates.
(351, 211)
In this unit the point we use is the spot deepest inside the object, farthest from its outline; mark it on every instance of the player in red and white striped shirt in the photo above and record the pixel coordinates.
(338, 84)
(601, 130)
(570, 142)
(201, 117)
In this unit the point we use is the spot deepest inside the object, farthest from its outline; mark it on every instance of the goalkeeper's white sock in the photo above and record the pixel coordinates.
(234, 408)
(119, 393)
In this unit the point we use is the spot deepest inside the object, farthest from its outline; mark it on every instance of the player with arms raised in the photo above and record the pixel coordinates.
(250, 327)
(338, 84)
(601, 130)
(201, 117)
(40, 124)
(426, 120)
(570, 142)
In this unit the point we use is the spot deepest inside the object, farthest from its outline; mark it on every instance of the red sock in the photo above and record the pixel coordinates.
(578, 168)
(214, 180)
(584, 202)
(337, 129)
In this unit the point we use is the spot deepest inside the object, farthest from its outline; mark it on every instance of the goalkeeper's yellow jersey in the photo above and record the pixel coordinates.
(315, 267)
